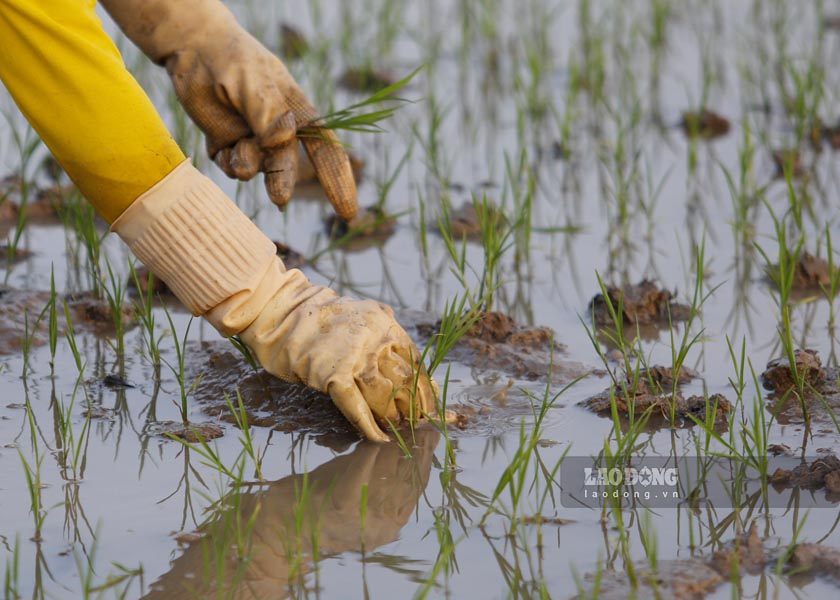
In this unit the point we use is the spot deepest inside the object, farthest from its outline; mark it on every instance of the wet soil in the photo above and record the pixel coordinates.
(366, 79)
(293, 44)
(821, 389)
(371, 222)
(705, 124)
(821, 473)
(789, 159)
(20, 311)
(464, 221)
(497, 343)
(192, 433)
(652, 391)
(268, 401)
(643, 304)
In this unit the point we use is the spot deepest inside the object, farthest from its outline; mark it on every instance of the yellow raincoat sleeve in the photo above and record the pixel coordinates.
(69, 80)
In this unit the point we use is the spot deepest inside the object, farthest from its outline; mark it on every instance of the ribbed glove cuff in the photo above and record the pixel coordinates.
(194, 238)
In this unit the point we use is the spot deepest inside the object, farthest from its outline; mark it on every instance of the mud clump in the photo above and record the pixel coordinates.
(821, 473)
(778, 376)
(465, 221)
(293, 44)
(97, 312)
(495, 342)
(697, 577)
(812, 273)
(366, 79)
(705, 124)
(788, 160)
(192, 433)
(652, 391)
(642, 304)
(292, 259)
(369, 222)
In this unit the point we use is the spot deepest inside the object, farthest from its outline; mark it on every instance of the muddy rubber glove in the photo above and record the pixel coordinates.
(240, 94)
(221, 266)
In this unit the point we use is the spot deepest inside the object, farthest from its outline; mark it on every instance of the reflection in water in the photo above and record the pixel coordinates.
(264, 544)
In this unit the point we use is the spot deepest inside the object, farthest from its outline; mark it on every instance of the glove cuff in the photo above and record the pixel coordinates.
(194, 238)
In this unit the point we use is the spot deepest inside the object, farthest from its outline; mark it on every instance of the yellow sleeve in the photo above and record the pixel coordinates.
(69, 80)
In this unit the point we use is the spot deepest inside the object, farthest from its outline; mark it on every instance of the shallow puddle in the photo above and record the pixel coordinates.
(581, 133)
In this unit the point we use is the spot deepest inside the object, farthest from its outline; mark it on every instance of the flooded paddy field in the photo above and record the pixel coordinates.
(633, 209)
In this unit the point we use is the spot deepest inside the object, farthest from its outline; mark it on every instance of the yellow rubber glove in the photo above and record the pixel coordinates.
(69, 80)
(220, 265)
(240, 94)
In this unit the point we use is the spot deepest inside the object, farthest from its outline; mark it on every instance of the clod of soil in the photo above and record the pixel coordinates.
(497, 343)
(293, 44)
(366, 79)
(823, 472)
(811, 273)
(306, 172)
(697, 577)
(785, 402)
(653, 391)
(192, 433)
(831, 134)
(115, 381)
(788, 159)
(97, 312)
(642, 304)
(42, 205)
(464, 221)
(10, 255)
(292, 259)
(705, 124)
(778, 375)
(369, 222)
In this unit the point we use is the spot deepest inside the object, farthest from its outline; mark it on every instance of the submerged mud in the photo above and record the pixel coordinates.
(698, 577)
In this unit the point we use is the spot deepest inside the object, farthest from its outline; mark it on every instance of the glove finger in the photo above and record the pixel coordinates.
(427, 389)
(334, 171)
(242, 161)
(351, 403)
(399, 373)
(280, 168)
(281, 131)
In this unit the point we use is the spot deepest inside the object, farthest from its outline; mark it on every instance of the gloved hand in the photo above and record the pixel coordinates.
(240, 94)
(221, 266)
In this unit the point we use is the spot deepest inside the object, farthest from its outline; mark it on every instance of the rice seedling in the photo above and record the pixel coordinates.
(246, 438)
(179, 368)
(146, 314)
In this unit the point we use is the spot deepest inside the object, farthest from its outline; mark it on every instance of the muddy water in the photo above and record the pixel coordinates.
(139, 501)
